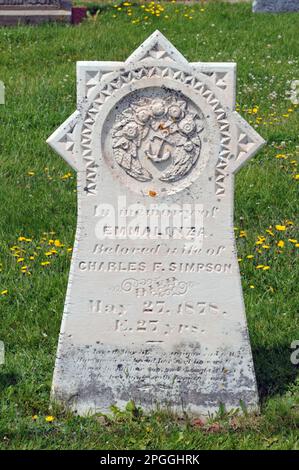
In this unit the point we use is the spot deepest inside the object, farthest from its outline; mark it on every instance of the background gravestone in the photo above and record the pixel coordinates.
(154, 310)
(14, 12)
(275, 6)
(2, 352)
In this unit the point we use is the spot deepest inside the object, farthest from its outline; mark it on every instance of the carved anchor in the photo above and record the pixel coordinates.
(159, 156)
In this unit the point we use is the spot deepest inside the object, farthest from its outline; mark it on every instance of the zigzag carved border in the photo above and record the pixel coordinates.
(127, 77)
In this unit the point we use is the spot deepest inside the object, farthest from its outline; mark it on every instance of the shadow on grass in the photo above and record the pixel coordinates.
(274, 370)
(7, 379)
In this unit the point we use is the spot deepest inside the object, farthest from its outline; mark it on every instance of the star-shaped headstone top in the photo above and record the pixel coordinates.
(166, 127)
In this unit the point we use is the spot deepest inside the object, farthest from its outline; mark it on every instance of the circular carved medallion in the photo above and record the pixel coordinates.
(156, 138)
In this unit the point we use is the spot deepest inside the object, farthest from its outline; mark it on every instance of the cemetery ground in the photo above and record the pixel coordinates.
(38, 219)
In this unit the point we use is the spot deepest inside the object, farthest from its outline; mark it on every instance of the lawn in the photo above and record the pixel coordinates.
(38, 219)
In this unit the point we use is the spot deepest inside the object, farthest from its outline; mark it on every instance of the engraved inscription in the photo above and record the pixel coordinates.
(155, 287)
(155, 327)
(159, 307)
(122, 266)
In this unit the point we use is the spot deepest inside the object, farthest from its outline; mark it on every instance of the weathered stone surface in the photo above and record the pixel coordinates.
(154, 310)
(275, 6)
(13, 12)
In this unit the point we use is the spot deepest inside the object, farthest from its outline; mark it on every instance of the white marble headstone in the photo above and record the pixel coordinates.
(154, 310)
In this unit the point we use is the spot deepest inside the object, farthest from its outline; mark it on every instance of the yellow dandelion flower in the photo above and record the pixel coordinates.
(49, 419)
(45, 263)
(266, 247)
(260, 266)
(266, 268)
(19, 260)
(292, 240)
(4, 292)
(280, 244)
(249, 256)
(270, 232)
(57, 243)
(252, 286)
(21, 239)
(34, 417)
(66, 176)
(280, 228)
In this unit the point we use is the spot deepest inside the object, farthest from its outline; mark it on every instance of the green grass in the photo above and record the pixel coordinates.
(37, 65)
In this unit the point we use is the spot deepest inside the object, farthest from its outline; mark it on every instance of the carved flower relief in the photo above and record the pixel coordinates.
(130, 130)
(190, 134)
(159, 114)
(158, 108)
(127, 138)
(171, 127)
(175, 112)
(168, 114)
(143, 115)
(187, 126)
